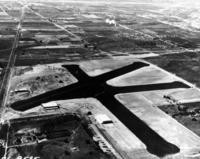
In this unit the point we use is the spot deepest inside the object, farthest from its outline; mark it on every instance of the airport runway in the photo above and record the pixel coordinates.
(96, 87)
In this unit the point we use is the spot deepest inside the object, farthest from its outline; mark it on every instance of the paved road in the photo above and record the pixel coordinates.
(11, 62)
(8, 70)
(48, 20)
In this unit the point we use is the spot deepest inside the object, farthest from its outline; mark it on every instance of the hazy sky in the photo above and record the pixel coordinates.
(188, 2)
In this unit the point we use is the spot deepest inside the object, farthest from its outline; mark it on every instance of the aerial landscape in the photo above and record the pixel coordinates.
(109, 79)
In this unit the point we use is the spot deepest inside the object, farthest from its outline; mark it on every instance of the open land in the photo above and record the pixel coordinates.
(107, 80)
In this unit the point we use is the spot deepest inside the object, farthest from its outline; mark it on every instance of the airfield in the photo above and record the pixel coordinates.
(98, 80)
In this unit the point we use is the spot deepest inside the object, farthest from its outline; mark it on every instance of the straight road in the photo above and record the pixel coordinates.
(55, 24)
(11, 62)
(8, 71)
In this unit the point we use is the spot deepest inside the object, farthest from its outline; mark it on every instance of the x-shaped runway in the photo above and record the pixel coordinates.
(98, 88)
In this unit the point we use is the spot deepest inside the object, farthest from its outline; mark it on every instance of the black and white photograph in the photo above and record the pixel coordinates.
(99, 79)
